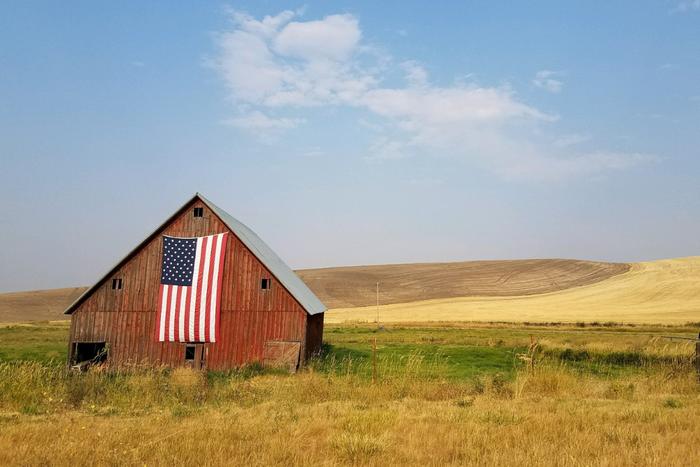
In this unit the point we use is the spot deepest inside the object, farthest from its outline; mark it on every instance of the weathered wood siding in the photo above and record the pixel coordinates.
(314, 335)
(250, 316)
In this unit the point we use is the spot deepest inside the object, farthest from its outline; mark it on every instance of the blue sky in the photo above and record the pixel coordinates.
(350, 133)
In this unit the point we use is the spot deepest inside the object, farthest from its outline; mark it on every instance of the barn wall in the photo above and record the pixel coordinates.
(250, 316)
(314, 335)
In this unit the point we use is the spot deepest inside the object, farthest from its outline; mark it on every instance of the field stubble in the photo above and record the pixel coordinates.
(665, 291)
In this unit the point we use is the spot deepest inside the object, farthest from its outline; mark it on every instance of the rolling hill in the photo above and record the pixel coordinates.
(37, 305)
(355, 286)
(665, 292)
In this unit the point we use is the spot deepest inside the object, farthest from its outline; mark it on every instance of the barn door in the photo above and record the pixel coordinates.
(196, 356)
(282, 354)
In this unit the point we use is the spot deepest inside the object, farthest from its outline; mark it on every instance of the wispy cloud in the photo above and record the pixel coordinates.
(668, 66)
(280, 63)
(573, 139)
(547, 79)
(686, 6)
(257, 120)
(265, 128)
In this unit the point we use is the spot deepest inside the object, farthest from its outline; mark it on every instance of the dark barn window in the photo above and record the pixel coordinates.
(265, 284)
(116, 284)
(198, 212)
(189, 353)
(92, 352)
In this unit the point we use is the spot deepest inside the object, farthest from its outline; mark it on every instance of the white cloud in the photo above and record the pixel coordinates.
(334, 38)
(545, 79)
(282, 63)
(443, 106)
(569, 140)
(274, 62)
(668, 66)
(257, 120)
(540, 167)
(685, 6)
(416, 75)
(313, 152)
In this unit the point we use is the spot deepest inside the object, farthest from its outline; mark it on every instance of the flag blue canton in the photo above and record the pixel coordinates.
(178, 261)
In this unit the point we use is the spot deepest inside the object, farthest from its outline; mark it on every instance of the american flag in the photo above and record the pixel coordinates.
(189, 288)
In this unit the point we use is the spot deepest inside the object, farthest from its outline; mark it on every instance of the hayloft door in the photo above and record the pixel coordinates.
(196, 356)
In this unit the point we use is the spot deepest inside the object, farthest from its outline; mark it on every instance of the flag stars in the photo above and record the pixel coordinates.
(178, 260)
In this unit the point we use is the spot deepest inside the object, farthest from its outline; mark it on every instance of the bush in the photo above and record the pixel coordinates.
(672, 403)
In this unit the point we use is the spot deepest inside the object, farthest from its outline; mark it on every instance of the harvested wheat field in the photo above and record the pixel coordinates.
(354, 286)
(37, 305)
(666, 291)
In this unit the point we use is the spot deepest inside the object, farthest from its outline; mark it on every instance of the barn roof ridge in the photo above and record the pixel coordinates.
(282, 272)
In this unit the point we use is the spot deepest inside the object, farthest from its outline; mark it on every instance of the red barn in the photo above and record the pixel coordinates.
(266, 312)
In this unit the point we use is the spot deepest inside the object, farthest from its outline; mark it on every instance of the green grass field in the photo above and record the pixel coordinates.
(449, 350)
(40, 342)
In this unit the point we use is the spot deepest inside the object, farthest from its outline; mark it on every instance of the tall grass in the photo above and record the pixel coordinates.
(327, 415)
(581, 401)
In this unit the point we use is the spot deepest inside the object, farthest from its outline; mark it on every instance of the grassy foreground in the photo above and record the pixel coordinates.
(444, 395)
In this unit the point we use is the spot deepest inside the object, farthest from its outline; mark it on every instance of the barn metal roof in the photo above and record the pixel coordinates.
(269, 258)
(283, 273)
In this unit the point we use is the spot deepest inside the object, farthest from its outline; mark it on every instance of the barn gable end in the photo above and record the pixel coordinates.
(250, 316)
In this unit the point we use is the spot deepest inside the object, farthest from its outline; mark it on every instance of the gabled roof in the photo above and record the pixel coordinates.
(283, 273)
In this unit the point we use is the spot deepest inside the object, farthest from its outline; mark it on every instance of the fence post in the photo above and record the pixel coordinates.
(697, 356)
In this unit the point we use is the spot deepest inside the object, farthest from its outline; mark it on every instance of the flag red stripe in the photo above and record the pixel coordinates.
(178, 310)
(193, 293)
(159, 320)
(207, 307)
(166, 315)
(186, 311)
(198, 303)
(218, 287)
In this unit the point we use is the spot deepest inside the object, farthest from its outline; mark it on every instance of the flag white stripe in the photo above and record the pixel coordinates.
(193, 292)
(214, 289)
(181, 315)
(205, 286)
(163, 307)
(173, 307)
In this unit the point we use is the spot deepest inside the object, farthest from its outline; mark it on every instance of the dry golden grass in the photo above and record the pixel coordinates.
(552, 417)
(666, 292)
(595, 396)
